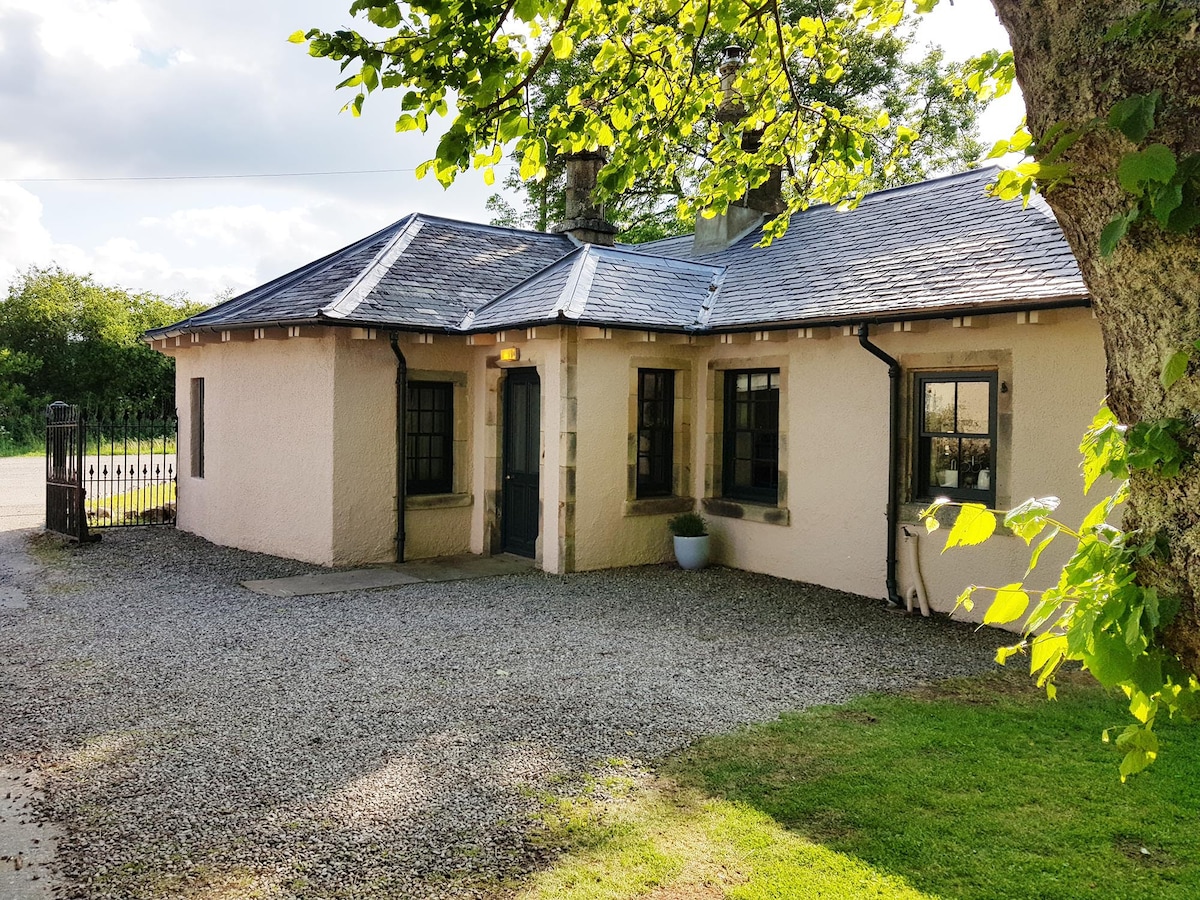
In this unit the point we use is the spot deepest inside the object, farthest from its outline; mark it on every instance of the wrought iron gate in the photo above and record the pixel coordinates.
(108, 472)
(64, 471)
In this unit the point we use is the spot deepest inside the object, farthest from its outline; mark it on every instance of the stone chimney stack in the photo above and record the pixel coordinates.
(584, 217)
(752, 208)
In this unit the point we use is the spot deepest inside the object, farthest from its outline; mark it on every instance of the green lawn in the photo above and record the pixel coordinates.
(978, 788)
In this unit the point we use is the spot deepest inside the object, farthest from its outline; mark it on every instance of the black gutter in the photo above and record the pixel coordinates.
(893, 505)
(401, 442)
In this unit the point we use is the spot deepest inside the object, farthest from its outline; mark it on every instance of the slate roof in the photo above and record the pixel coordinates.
(918, 248)
(937, 246)
(610, 286)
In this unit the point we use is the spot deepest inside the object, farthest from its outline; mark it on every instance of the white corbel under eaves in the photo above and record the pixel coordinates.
(358, 289)
(573, 299)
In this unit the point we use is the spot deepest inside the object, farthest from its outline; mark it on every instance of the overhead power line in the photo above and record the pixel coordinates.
(205, 177)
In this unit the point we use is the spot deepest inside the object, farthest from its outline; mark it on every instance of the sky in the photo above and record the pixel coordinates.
(141, 89)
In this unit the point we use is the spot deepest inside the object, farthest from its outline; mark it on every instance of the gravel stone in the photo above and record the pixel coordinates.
(194, 737)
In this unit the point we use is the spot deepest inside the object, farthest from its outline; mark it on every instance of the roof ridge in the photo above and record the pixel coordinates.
(465, 322)
(579, 284)
(673, 262)
(483, 226)
(241, 301)
(366, 280)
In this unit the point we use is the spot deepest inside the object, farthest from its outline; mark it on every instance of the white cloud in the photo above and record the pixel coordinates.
(123, 262)
(24, 240)
(234, 226)
(105, 33)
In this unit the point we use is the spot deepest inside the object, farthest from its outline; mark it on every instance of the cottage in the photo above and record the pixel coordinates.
(443, 387)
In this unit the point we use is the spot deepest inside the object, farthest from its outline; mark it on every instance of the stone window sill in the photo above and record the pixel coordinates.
(659, 506)
(438, 501)
(750, 512)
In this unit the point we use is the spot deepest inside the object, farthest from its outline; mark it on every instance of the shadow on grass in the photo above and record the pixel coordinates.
(976, 788)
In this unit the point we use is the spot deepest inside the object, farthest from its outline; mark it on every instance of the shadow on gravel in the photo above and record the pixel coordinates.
(201, 741)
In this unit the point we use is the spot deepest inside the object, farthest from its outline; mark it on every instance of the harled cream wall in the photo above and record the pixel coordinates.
(268, 451)
(364, 451)
(1057, 383)
(834, 446)
(300, 446)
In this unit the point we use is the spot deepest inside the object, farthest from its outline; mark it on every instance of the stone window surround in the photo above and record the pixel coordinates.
(461, 462)
(713, 503)
(912, 364)
(681, 499)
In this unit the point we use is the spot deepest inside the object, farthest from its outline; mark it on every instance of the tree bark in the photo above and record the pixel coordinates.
(1147, 293)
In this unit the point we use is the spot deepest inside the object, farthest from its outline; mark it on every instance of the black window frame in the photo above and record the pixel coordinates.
(422, 414)
(655, 433)
(923, 437)
(758, 489)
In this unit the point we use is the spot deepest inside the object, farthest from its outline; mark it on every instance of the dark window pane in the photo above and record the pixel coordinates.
(655, 432)
(751, 457)
(430, 438)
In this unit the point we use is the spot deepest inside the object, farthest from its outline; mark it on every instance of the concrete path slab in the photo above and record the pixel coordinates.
(450, 568)
(27, 846)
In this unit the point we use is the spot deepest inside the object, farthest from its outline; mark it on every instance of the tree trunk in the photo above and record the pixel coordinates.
(1147, 293)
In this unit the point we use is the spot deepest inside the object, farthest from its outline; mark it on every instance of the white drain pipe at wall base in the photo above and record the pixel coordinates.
(917, 586)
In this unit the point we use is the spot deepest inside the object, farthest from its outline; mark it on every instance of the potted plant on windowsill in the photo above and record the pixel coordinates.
(691, 540)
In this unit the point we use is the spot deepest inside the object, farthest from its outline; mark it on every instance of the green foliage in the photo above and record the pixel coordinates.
(1097, 613)
(927, 92)
(65, 337)
(688, 524)
(811, 90)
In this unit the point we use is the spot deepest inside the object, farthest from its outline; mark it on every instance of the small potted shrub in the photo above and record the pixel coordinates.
(691, 540)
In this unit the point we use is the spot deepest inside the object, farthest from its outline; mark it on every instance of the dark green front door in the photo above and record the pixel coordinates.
(522, 458)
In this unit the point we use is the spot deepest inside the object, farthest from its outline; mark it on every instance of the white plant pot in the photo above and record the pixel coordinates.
(692, 552)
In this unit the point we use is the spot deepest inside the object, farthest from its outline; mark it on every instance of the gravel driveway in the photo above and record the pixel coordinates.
(197, 740)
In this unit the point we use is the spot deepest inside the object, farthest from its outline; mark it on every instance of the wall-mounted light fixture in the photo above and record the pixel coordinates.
(510, 354)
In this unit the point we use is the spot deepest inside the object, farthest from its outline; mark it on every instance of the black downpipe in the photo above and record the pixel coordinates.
(893, 506)
(401, 442)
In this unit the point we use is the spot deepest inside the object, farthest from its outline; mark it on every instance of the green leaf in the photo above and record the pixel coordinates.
(1114, 231)
(964, 599)
(974, 525)
(1004, 653)
(1010, 604)
(561, 45)
(1037, 551)
(1109, 660)
(1027, 520)
(1047, 650)
(1155, 164)
(1174, 368)
(1140, 744)
(1134, 116)
(1165, 201)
